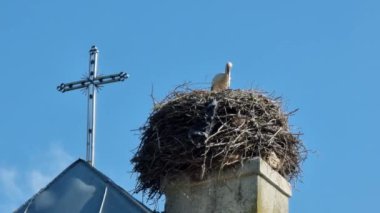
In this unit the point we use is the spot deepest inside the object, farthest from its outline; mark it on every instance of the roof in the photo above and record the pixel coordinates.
(82, 188)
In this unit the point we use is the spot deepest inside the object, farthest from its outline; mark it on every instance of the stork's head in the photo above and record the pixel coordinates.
(228, 67)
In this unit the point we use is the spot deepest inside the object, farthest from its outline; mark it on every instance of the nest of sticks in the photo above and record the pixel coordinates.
(194, 132)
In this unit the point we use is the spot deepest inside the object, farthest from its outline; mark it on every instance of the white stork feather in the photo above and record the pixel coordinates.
(222, 81)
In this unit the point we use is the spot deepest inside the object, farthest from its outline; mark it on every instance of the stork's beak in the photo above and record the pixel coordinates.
(228, 67)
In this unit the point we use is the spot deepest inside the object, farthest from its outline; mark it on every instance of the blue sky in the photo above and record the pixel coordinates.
(320, 56)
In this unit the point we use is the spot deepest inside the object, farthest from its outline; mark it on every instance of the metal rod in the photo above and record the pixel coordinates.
(104, 199)
(91, 117)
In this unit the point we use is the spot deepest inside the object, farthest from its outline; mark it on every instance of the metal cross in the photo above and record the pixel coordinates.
(91, 83)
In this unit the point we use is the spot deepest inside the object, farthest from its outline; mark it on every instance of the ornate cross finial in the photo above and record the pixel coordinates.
(91, 83)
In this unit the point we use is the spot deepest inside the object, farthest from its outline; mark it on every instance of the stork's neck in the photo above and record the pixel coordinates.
(228, 68)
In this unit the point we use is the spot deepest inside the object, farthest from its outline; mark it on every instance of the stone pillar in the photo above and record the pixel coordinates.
(253, 188)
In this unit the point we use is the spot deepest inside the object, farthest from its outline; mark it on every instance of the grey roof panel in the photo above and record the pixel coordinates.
(82, 188)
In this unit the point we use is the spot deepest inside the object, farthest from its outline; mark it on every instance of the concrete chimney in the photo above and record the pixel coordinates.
(253, 188)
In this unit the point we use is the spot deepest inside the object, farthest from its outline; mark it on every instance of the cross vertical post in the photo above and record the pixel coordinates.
(91, 83)
(91, 117)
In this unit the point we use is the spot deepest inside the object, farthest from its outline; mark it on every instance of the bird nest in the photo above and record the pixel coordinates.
(195, 132)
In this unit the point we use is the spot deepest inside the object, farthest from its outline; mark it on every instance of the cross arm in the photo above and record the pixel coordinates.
(64, 87)
(100, 80)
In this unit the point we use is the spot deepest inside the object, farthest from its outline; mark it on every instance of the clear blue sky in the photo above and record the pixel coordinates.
(321, 56)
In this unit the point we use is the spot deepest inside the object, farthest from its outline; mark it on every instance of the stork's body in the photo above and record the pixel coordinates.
(222, 81)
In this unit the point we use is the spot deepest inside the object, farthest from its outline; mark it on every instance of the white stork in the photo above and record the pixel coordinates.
(222, 81)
